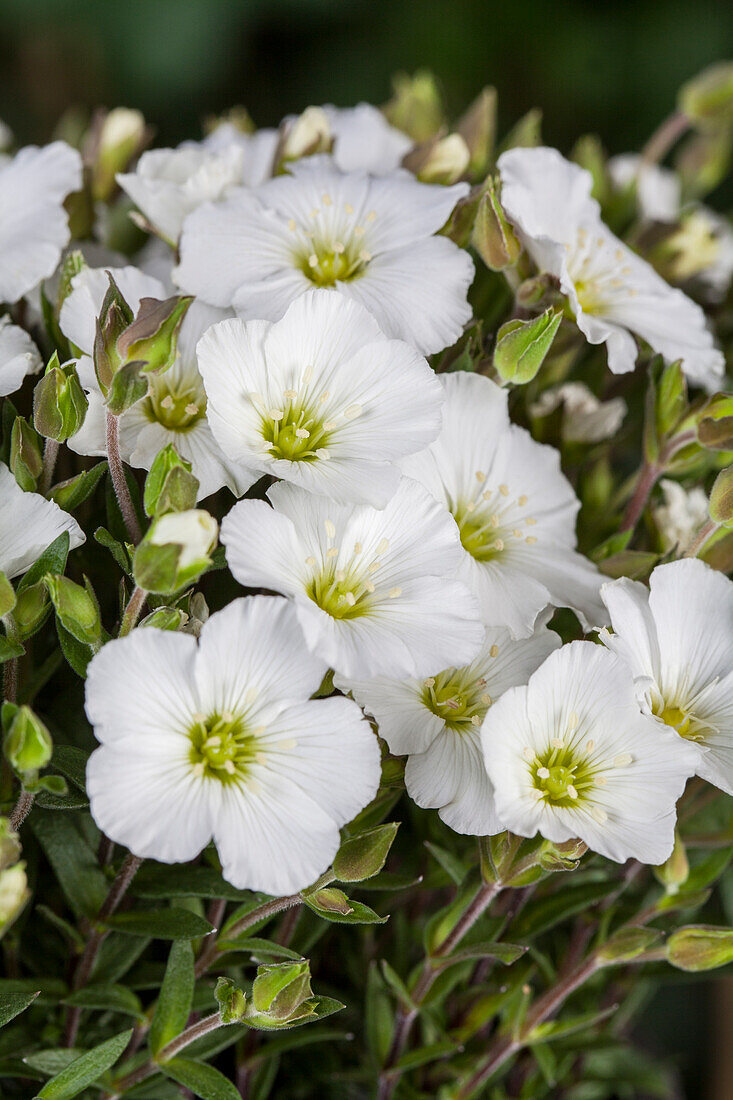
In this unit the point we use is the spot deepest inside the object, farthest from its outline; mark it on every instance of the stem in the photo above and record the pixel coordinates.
(504, 1047)
(648, 477)
(268, 909)
(389, 1076)
(132, 611)
(86, 964)
(706, 531)
(21, 810)
(195, 1031)
(117, 473)
(50, 454)
(664, 137)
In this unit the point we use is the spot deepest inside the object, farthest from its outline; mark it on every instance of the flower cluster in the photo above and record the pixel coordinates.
(302, 348)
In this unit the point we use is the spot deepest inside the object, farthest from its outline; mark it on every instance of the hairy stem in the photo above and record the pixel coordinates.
(268, 909)
(706, 531)
(169, 1051)
(117, 473)
(664, 137)
(132, 611)
(21, 810)
(50, 454)
(648, 477)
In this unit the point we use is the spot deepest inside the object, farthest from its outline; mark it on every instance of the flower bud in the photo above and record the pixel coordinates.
(360, 857)
(175, 551)
(721, 498)
(416, 106)
(10, 848)
(26, 457)
(309, 133)
(627, 944)
(715, 423)
(280, 989)
(439, 160)
(525, 134)
(703, 162)
(71, 265)
(28, 745)
(31, 608)
(675, 872)
(114, 317)
(477, 127)
(119, 135)
(59, 402)
(170, 486)
(7, 596)
(700, 947)
(521, 346)
(563, 856)
(493, 237)
(231, 1000)
(76, 608)
(152, 338)
(707, 99)
(14, 894)
(165, 618)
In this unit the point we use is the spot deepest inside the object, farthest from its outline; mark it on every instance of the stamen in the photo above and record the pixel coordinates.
(357, 548)
(371, 215)
(486, 700)
(350, 598)
(383, 546)
(522, 501)
(301, 433)
(290, 394)
(572, 720)
(307, 374)
(557, 742)
(198, 769)
(167, 402)
(504, 490)
(310, 560)
(276, 414)
(530, 540)
(353, 411)
(494, 651)
(330, 528)
(327, 200)
(572, 793)
(348, 208)
(192, 409)
(622, 760)
(312, 260)
(338, 247)
(528, 753)
(475, 720)
(291, 225)
(323, 453)
(229, 767)
(332, 552)
(543, 773)
(480, 476)
(394, 593)
(324, 397)
(590, 745)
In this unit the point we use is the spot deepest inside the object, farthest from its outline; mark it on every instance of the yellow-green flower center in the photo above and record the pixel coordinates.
(343, 582)
(177, 404)
(457, 698)
(222, 747)
(682, 720)
(295, 432)
(561, 775)
(328, 263)
(491, 520)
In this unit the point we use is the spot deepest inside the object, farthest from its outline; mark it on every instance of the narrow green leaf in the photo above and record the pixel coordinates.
(156, 880)
(161, 924)
(73, 861)
(52, 1061)
(505, 953)
(70, 494)
(203, 1080)
(111, 998)
(9, 650)
(52, 560)
(12, 1004)
(450, 864)
(545, 912)
(84, 1070)
(354, 912)
(261, 950)
(76, 653)
(430, 1053)
(174, 1003)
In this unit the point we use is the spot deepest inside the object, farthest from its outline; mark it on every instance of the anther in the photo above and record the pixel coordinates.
(557, 742)
(312, 260)
(572, 720)
(590, 745)
(530, 540)
(338, 247)
(301, 433)
(475, 720)
(191, 409)
(324, 397)
(430, 682)
(348, 208)
(357, 548)
(522, 501)
(365, 256)
(229, 767)
(330, 528)
(291, 225)
(310, 560)
(504, 490)
(371, 215)
(198, 769)
(323, 453)
(167, 402)
(383, 546)
(276, 414)
(486, 700)
(327, 200)
(494, 651)
(528, 753)
(572, 793)
(332, 552)
(622, 760)
(290, 394)
(350, 598)
(543, 773)
(394, 593)
(353, 411)
(480, 476)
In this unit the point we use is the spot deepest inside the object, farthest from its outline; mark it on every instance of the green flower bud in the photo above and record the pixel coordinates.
(493, 237)
(525, 134)
(28, 745)
(71, 265)
(129, 385)
(114, 317)
(26, 456)
(416, 105)
(31, 609)
(175, 551)
(152, 338)
(14, 894)
(360, 857)
(10, 848)
(721, 498)
(700, 947)
(170, 486)
(521, 346)
(59, 402)
(626, 945)
(675, 872)
(117, 137)
(76, 608)
(707, 99)
(166, 618)
(280, 989)
(439, 160)
(715, 423)
(7, 596)
(231, 999)
(477, 127)
(589, 153)
(703, 162)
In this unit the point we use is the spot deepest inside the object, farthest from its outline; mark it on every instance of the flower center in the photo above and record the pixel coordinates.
(298, 425)
(561, 776)
(682, 720)
(222, 747)
(457, 699)
(175, 403)
(330, 246)
(343, 582)
(599, 269)
(328, 264)
(491, 520)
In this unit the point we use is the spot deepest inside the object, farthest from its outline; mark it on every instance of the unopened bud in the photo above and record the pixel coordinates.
(700, 947)
(119, 136)
(707, 99)
(231, 999)
(525, 134)
(165, 618)
(416, 105)
(721, 498)
(175, 551)
(28, 745)
(563, 856)
(360, 857)
(280, 989)
(26, 456)
(478, 129)
(627, 944)
(703, 161)
(14, 894)
(59, 402)
(305, 135)
(77, 609)
(31, 608)
(114, 317)
(493, 236)
(170, 486)
(71, 265)
(715, 423)
(675, 872)
(521, 346)
(152, 338)
(439, 160)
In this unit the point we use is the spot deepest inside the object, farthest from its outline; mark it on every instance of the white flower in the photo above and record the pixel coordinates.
(221, 740)
(436, 723)
(585, 419)
(681, 515)
(194, 530)
(28, 524)
(373, 590)
(612, 291)
(19, 356)
(658, 190)
(33, 223)
(364, 141)
(175, 410)
(676, 639)
(571, 755)
(701, 250)
(514, 508)
(168, 184)
(321, 398)
(258, 150)
(371, 238)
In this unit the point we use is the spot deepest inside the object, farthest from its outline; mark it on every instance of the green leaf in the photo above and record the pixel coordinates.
(176, 995)
(333, 905)
(73, 861)
(261, 950)
(70, 494)
(559, 1029)
(12, 1004)
(430, 1053)
(76, 653)
(448, 861)
(84, 1070)
(72, 763)
(505, 953)
(156, 880)
(318, 1009)
(112, 998)
(52, 1061)
(161, 924)
(543, 913)
(52, 560)
(9, 650)
(203, 1080)
(115, 547)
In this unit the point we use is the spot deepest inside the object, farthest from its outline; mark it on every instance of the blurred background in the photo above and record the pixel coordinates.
(606, 66)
